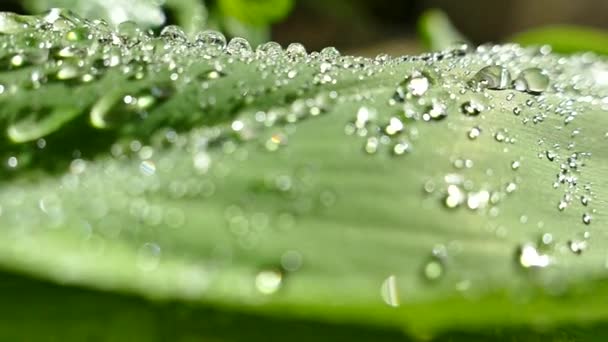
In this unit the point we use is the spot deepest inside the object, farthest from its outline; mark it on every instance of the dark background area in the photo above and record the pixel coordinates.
(369, 26)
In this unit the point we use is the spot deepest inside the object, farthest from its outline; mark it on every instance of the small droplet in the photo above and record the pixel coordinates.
(472, 108)
(268, 282)
(587, 218)
(529, 257)
(435, 112)
(455, 196)
(577, 246)
(434, 269)
(415, 85)
(517, 110)
(474, 133)
(148, 257)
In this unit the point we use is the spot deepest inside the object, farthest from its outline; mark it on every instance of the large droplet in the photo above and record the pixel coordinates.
(212, 42)
(492, 77)
(296, 51)
(532, 81)
(239, 47)
(389, 291)
(173, 34)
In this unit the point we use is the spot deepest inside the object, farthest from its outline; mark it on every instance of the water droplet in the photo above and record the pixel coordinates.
(296, 51)
(533, 81)
(492, 77)
(173, 34)
(434, 268)
(330, 53)
(577, 246)
(268, 281)
(529, 257)
(517, 110)
(212, 42)
(414, 85)
(270, 50)
(389, 291)
(239, 47)
(587, 218)
(455, 196)
(148, 257)
(472, 107)
(435, 112)
(474, 133)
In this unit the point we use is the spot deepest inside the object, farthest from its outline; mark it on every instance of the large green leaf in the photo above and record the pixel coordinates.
(394, 193)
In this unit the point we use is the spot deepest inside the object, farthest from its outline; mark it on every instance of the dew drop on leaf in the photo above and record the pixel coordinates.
(389, 291)
(148, 257)
(472, 108)
(529, 256)
(174, 34)
(587, 218)
(532, 80)
(474, 133)
(239, 47)
(268, 281)
(211, 42)
(492, 77)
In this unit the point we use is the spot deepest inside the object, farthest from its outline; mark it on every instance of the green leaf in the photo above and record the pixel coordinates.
(565, 39)
(256, 12)
(427, 194)
(437, 32)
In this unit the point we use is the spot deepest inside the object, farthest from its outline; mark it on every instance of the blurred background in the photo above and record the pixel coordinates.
(361, 26)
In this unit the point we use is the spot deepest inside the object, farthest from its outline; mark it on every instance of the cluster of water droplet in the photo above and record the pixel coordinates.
(221, 94)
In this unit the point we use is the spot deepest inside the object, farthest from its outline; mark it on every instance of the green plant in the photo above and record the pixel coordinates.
(444, 195)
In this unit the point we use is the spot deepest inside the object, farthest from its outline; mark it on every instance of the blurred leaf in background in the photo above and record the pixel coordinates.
(244, 18)
(437, 31)
(565, 38)
(147, 13)
(250, 19)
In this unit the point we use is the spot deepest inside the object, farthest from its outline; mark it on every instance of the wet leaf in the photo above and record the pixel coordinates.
(423, 194)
